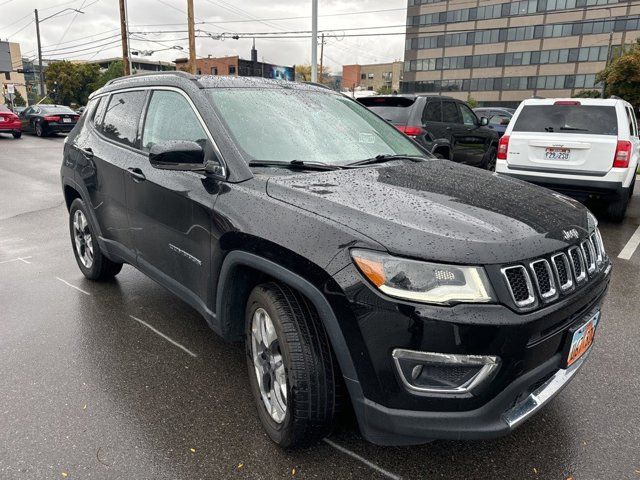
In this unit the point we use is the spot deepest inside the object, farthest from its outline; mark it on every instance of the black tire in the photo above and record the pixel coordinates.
(39, 129)
(314, 386)
(617, 209)
(16, 134)
(490, 158)
(101, 267)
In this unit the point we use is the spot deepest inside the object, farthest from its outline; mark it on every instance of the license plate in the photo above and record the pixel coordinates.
(66, 120)
(582, 338)
(557, 153)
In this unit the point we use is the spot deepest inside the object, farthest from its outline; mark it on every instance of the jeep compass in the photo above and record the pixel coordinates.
(438, 300)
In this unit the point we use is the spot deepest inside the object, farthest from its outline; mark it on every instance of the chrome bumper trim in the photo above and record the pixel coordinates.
(539, 397)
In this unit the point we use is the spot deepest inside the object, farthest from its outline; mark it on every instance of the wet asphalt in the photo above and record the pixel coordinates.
(89, 392)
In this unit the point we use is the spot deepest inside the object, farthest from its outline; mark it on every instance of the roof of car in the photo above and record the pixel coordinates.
(177, 78)
(583, 101)
(412, 96)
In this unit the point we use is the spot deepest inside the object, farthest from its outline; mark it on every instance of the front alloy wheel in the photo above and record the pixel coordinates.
(83, 239)
(268, 365)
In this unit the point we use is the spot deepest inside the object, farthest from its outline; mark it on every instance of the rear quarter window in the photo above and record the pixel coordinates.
(392, 109)
(568, 119)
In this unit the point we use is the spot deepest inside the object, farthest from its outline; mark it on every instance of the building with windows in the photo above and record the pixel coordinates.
(372, 77)
(238, 67)
(501, 52)
(10, 63)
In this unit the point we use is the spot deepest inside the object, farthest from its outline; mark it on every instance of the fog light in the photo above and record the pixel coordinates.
(442, 373)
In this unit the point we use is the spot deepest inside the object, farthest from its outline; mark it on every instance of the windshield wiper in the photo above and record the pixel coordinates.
(388, 158)
(295, 164)
(574, 129)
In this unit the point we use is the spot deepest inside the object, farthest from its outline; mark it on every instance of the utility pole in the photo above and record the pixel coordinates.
(125, 40)
(192, 37)
(321, 58)
(314, 41)
(604, 83)
(43, 87)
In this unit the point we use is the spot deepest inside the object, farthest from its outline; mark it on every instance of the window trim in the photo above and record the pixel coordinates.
(216, 149)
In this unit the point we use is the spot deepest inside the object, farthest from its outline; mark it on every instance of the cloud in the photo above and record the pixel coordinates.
(75, 36)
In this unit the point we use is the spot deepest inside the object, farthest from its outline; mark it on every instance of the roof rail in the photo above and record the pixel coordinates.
(318, 84)
(178, 73)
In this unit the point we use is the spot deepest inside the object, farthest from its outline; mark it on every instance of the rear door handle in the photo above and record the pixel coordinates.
(87, 152)
(136, 174)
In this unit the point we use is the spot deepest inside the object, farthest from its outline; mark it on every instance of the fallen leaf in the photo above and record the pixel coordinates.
(569, 478)
(535, 470)
(293, 472)
(637, 472)
(65, 474)
(84, 408)
(240, 465)
(192, 450)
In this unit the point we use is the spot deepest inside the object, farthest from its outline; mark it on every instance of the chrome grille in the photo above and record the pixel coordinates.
(560, 274)
(543, 277)
(577, 262)
(520, 286)
(563, 270)
(589, 256)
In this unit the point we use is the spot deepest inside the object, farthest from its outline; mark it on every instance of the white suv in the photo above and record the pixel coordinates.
(580, 147)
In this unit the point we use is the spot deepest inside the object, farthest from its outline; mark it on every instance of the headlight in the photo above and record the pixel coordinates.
(424, 282)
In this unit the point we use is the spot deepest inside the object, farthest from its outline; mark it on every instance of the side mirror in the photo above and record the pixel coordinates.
(484, 121)
(177, 155)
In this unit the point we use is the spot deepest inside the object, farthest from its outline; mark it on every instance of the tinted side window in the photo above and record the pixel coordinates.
(171, 117)
(632, 124)
(468, 116)
(98, 111)
(450, 112)
(432, 111)
(122, 117)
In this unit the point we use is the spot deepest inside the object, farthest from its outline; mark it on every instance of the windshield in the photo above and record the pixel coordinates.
(392, 109)
(570, 119)
(283, 125)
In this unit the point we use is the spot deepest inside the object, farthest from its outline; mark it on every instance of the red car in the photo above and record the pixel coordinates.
(9, 122)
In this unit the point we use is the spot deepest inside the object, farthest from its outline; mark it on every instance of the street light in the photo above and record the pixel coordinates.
(38, 22)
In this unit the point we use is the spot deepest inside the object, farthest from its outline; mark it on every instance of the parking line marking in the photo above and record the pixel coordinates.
(369, 464)
(185, 349)
(73, 286)
(631, 246)
(19, 259)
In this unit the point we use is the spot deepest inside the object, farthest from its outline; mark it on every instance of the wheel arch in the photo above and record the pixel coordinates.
(230, 290)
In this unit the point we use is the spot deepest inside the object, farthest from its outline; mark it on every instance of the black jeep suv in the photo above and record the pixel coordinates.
(445, 126)
(442, 301)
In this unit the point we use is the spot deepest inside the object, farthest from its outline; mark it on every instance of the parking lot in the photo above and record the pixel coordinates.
(123, 380)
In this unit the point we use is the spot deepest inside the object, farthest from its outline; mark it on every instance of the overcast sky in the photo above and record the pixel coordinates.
(94, 33)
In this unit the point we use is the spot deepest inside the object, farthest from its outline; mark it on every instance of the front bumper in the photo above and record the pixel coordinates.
(514, 405)
(531, 347)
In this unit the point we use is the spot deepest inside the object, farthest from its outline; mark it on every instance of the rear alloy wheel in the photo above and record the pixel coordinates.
(490, 158)
(293, 375)
(39, 129)
(617, 209)
(92, 262)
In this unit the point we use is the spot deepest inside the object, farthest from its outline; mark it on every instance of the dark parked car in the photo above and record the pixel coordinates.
(9, 122)
(44, 120)
(499, 118)
(446, 127)
(440, 300)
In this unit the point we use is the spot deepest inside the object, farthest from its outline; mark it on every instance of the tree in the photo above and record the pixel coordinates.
(303, 74)
(472, 102)
(385, 90)
(18, 99)
(115, 70)
(69, 83)
(622, 76)
(588, 94)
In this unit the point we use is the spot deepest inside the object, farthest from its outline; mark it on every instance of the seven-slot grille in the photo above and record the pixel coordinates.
(546, 279)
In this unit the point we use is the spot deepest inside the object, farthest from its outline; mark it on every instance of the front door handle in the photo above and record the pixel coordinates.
(137, 175)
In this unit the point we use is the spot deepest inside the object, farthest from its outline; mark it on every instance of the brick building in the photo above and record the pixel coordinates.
(372, 77)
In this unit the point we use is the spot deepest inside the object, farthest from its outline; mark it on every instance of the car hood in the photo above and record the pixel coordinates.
(439, 210)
